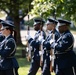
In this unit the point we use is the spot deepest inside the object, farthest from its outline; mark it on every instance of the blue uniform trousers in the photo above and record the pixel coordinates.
(9, 72)
(35, 64)
(67, 71)
(46, 66)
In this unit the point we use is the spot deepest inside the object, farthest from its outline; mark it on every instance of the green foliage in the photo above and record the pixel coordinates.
(17, 10)
(63, 8)
(41, 7)
(12, 7)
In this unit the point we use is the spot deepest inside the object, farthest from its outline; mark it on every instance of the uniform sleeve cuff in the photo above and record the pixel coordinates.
(53, 45)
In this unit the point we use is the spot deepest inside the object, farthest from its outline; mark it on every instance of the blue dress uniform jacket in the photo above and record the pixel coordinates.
(65, 56)
(49, 37)
(46, 44)
(36, 45)
(7, 52)
(1, 37)
(35, 63)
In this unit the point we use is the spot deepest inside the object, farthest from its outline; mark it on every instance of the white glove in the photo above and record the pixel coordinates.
(28, 37)
(50, 58)
(51, 41)
(41, 52)
(40, 38)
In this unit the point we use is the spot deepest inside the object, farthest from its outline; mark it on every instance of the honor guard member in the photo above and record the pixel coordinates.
(35, 63)
(51, 24)
(65, 57)
(8, 62)
(1, 36)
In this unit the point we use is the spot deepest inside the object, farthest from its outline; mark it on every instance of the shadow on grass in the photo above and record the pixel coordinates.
(22, 60)
(20, 51)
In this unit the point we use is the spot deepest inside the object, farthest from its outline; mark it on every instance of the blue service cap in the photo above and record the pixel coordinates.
(7, 24)
(63, 22)
(51, 21)
(38, 21)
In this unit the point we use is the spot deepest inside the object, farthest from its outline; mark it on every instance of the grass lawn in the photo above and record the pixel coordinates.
(24, 66)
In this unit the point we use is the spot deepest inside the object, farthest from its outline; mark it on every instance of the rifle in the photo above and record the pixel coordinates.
(28, 45)
(41, 46)
(52, 50)
(52, 56)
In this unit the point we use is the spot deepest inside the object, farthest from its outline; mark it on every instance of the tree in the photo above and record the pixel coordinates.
(62, 8)
(42, 7)
(17, 9)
